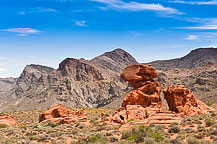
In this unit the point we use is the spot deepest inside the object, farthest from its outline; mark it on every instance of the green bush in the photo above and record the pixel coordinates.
(209, 122)
(174, 129)
(52, 124)
(3, 126)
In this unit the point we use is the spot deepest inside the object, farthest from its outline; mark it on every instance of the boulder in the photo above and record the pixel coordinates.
(144, 96)
(138, 74)
(181, 100)
(55, 111)
(7, 120)
(60, 114)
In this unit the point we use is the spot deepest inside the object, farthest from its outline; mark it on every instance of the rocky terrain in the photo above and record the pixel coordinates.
(141, 118)
(97, 82)
(195, 58)
(76, 83)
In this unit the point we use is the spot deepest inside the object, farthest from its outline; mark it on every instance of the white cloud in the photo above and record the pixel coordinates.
(135, 6)
(191, 37)
(213, 2)
(80, 23)
(42, 9)
(21, 13)
(3, 70)
(204, 24)
(2, 58)
(23, 31)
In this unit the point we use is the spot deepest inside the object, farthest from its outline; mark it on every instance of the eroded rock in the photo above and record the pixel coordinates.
(7, 120)
(60, 114)
(144, 96)
(137, 75)
(181, 100)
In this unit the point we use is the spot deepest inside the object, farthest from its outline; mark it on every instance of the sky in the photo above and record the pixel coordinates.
(47, 31)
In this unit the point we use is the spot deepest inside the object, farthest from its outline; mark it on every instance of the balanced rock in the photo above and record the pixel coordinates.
(138, 74)
(181, 100)
(7, 120)
(144, 100)
(144, 96)
(60, 114)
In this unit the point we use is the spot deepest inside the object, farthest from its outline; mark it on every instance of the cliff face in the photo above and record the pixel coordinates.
(76, 83)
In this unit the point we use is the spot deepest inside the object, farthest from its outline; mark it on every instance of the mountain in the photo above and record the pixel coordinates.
(195, 58)
(196, 71)
(76, 83)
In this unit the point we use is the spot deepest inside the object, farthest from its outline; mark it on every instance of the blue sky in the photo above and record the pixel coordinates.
(47, 31)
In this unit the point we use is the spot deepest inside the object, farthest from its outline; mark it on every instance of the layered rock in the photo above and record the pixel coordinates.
(60, 114)
(138, 75)
(181, 100)
(76, 83)
(144, 100)
(7, 120)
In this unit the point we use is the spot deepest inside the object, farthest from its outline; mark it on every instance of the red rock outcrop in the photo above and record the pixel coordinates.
(137, 75)
(7, 120)
(144, 99)
(181, 100)
(60, 114)
(144, 95)
(143, 103)
(55, 111)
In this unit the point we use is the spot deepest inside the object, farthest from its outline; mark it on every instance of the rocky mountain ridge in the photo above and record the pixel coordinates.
(97, 82)
(195, 58)
(76, 83)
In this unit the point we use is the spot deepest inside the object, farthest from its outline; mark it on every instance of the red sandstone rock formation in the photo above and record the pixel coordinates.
(137, 75)
(55, 111)
(144, 95)
(143, 103)
(59, 113)
(7, 120)
(144, 99)
(181, 100)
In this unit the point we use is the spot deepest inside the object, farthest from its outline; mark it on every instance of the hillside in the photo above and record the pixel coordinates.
(76, 83)
(195, 58)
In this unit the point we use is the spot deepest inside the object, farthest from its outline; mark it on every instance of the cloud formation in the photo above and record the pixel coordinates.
(191, 37)
(80, 23)
(3, 70)
(2, 58)
(135, 6)
(23, 31)
(42, 9)
(213, 2)
(204, 24)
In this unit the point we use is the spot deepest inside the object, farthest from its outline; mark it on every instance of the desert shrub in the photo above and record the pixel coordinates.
(174, 124)
(213, 131)
(3, 126)
(139, 134)
(52, 124)
(198, 122)
(113, 139)
(209, 122)
(93, 139)
(189, 130)
(158, 137)
(200, 135)
(192, 140)
(174, 129)
(130, 120)
(149, 140)
(176, 141)
(180, 136)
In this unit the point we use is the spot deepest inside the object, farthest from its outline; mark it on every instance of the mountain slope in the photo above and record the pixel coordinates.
(195, 58)
(76, 83)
